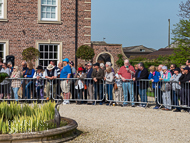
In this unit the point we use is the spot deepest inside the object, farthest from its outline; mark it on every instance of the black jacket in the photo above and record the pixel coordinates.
(144, 75)
(183, 79)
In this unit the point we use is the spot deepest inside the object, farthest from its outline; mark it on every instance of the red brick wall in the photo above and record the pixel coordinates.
(23, 15)
(113, 49)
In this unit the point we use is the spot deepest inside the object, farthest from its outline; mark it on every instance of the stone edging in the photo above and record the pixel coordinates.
(53, 135)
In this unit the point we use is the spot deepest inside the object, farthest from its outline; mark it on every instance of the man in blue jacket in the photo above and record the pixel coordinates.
(89, 83)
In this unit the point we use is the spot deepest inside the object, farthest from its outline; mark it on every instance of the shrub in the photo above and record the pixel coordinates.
(85, 52)
(30, 54)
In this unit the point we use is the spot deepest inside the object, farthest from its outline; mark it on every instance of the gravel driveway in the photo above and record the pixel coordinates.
(127, 124)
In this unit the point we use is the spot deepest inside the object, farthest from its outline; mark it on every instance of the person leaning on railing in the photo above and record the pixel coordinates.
(39, 75)
(166, 88)
(185, 89)
(154, 77)
(79, 84)
(65, 83)
(109, 79)
(50, 74)
(126, 73)
(98, 76)
(4, 86)
(16, 83)
(176, 88)
(29, 74)
(141, 76)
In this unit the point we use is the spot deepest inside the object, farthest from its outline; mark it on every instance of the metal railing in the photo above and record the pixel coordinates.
(165, 94)
(130, 92)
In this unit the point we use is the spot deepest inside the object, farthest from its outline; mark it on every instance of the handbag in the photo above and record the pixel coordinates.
(165, 87)
(85, 86)
(115, 86)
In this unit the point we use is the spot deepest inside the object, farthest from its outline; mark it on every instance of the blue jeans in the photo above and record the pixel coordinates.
(175, 99)
(98, 87)
(143, 95)
(128, 86)
(27, 89)
(15, 90)
(109, 88)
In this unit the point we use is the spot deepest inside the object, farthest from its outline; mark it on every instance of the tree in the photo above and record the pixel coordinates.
(120, 61)
(182, 36)
(30, 54)
(185, 9)
(85, 52)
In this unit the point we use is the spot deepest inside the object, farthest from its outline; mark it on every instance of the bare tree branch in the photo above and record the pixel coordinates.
(185, 9)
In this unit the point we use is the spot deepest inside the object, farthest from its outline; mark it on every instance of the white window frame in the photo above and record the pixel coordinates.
(47, 20)
(2, 14)
(56, 12)
(4, 51)
(58, 56)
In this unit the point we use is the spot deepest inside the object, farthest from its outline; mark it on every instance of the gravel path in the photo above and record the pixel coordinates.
(127, 124)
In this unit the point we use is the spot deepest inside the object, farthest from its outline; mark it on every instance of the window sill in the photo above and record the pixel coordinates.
(48, 22)
(4, 20)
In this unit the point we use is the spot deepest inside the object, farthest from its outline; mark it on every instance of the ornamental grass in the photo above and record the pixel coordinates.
(17, 118)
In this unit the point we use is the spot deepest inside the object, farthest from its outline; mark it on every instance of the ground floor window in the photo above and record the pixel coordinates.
(48, 52)
(2, 51)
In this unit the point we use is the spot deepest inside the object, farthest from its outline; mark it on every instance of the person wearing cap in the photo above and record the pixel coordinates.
(126, 73)
(98, 76)
(154, 78)
(185, 89)
(29, 74)
(65, 82)
(39, 75)
(166, 95)
(15, 83)
(176, 88)
(50, 74)
(79, 84)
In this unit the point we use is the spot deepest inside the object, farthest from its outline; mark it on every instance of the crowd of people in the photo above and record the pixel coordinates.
(122, 87)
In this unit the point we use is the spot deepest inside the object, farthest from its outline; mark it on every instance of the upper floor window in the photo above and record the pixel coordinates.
(142, 50)
(1, 8)
(49, 10)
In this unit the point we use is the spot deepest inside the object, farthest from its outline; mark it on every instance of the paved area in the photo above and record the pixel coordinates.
(126, 124)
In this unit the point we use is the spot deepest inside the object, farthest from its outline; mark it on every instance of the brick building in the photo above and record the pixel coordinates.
(48, 25)
(55, 27)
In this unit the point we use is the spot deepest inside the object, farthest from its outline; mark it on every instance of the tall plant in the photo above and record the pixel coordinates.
(30, 54)
(85, 52)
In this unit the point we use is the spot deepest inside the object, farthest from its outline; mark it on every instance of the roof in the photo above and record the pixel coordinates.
(104, 43)
(163, 52)
(156, 54)
(129, 49)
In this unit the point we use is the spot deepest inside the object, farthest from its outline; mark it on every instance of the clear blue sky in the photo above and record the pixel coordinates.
(134, 22)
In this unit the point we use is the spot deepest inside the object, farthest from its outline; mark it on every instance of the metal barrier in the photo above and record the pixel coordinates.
(166, 94)
(23, 89)
(129, 91)
(79, 90)
(174, 95)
